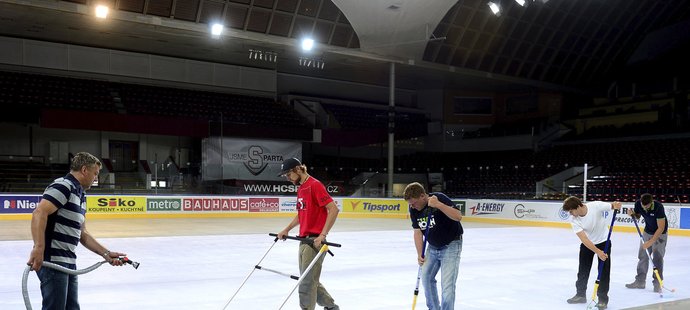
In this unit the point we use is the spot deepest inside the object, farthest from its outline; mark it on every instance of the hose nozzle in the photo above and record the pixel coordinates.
(126, 260)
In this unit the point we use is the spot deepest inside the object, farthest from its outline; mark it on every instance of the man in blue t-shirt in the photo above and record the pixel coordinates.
(435, 216)
(655, 235)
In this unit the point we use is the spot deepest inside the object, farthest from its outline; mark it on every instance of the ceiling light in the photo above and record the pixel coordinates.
(307, 44)
(312, 63)
(495, 8)
(520, 2)
(267, 56)
(216, 29)
(102, 11)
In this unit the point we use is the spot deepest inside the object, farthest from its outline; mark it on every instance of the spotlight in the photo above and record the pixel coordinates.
(307, 44)
(216, 29)
(495, 8)
(102, 11)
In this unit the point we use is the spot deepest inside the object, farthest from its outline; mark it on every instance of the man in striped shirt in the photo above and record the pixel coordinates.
(57, 226)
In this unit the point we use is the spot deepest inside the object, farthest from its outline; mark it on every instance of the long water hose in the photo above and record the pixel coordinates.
(25, 276)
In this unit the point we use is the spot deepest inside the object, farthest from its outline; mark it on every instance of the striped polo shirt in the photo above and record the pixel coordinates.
(63, 229)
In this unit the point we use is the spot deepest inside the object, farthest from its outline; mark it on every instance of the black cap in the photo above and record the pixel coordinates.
(288, 164)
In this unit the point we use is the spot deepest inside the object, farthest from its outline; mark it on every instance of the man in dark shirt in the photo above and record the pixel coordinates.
(655, 235)
(436, 213)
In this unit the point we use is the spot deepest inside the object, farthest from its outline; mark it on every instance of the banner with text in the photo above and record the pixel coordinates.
(218, 204)
(243, 159)
(16, 204)
(290, 204)
(537, 211)
(115, 204)
(372, 205)
(163, 204)
(553, 212)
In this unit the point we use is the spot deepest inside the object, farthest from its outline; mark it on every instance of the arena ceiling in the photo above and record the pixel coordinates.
(549, 44)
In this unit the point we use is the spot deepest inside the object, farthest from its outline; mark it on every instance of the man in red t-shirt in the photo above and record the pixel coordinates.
(316, 214)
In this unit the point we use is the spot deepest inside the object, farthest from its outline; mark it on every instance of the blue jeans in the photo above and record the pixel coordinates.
(59, 290)
(447, 259)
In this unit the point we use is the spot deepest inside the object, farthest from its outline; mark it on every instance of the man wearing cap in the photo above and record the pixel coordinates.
(316, 214)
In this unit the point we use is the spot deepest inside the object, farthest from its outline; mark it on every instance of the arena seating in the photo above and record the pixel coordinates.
(149, 100)
(28, 176)
(629, 168)
(407, 124)
(33, 93)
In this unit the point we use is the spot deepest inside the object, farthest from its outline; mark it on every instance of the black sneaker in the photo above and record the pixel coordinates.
(635, 285)
(602, 305)
(577, 299)
(332, 308)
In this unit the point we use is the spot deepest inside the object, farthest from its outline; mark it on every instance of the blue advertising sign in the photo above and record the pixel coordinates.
(685, 218)
(18, 204)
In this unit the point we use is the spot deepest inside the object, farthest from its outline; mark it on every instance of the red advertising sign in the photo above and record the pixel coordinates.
(264, 205)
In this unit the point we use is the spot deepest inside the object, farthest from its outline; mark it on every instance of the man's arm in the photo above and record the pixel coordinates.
(418, 244)
(332, 216)
(39, 218)
(588, 243)
(449, 211)
(92, 244)
(661, 225)
(634, 214)
(330, 220)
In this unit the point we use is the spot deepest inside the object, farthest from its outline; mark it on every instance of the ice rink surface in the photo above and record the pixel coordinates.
(502, 267)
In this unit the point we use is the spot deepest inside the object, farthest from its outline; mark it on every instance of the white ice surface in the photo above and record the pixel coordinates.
(501, 268)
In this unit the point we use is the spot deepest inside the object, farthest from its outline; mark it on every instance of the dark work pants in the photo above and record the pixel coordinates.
(586, 258)
(658, 250)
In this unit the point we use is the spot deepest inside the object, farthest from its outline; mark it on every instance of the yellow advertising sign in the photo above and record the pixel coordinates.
(115, 204)
(367, 205)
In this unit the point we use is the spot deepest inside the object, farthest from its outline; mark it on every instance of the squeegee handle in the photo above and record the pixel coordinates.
(306, 239)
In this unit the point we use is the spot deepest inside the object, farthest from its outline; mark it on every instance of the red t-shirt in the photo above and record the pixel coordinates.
(312, 199)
